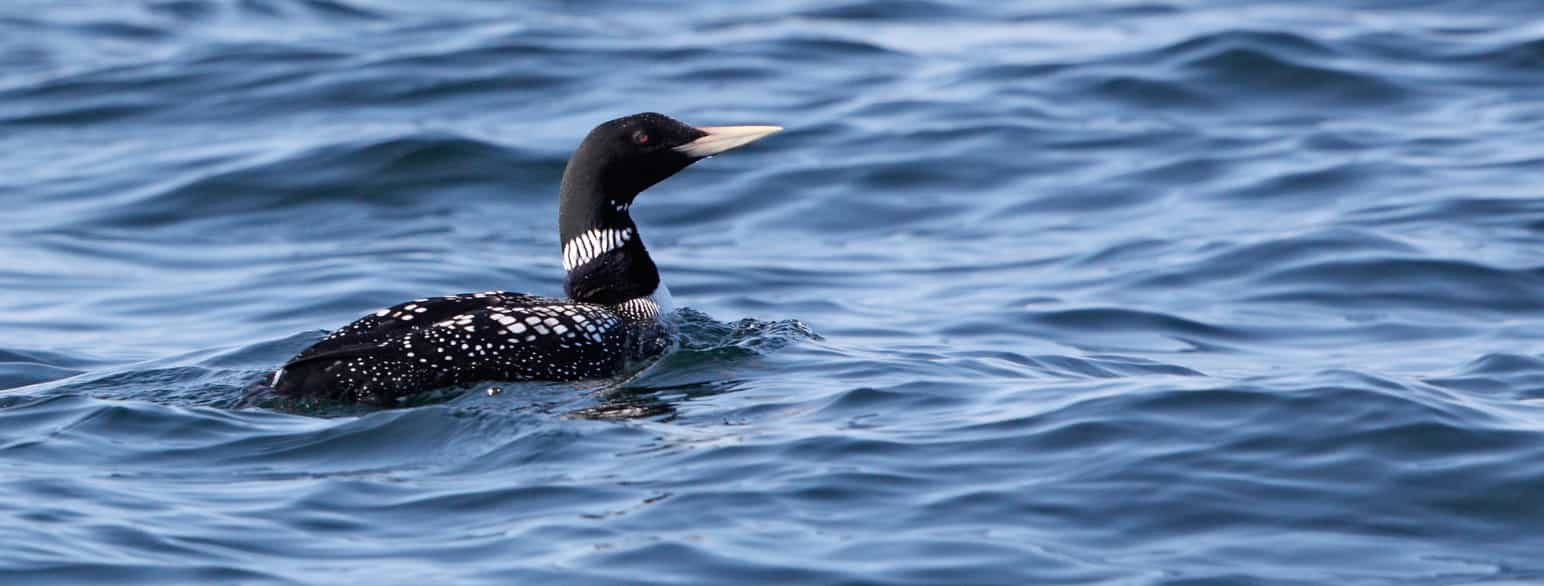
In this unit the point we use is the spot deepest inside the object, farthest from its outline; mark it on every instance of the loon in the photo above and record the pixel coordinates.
(616, 312)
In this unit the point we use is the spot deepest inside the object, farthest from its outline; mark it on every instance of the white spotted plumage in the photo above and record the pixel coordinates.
(481, 336)
(507, 338)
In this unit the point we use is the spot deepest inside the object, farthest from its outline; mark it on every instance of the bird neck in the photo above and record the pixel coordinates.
(604, 257)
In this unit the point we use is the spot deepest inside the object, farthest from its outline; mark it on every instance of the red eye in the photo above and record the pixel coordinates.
(641, 137)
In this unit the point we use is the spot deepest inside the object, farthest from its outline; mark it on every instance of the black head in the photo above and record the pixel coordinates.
(605, 259)
(623, 157)
(628, 155)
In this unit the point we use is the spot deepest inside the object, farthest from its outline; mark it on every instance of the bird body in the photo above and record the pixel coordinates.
(617, 310)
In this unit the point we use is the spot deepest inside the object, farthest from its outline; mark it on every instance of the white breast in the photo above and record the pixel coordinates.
(662, 298)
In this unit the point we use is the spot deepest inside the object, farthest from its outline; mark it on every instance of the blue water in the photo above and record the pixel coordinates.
(1121, 292)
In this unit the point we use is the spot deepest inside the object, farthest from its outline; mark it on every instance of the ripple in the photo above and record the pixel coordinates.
(1277, 41)
(20, 368)
(886, 11)
(1435, 284)
(395, 172)
(1144, 292)
(1231, 70)
(1509, 376)
(1115, 319)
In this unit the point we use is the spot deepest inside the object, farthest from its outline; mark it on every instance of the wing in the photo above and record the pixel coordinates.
(536, 341)
(370, 330)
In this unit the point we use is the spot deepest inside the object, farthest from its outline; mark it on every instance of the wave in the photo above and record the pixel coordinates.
(862, 10)
(1135, 292)
(398, 171)
(1446, 285)
(1498, 376)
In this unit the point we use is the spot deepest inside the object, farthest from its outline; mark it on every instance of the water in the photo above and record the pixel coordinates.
(1054, 292)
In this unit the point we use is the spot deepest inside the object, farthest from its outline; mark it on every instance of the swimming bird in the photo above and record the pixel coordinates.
(617, 309)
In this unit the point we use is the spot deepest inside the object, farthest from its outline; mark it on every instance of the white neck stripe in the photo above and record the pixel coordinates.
(590, 245)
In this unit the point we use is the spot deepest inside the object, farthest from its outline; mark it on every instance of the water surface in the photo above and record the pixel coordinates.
(1189, 292)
